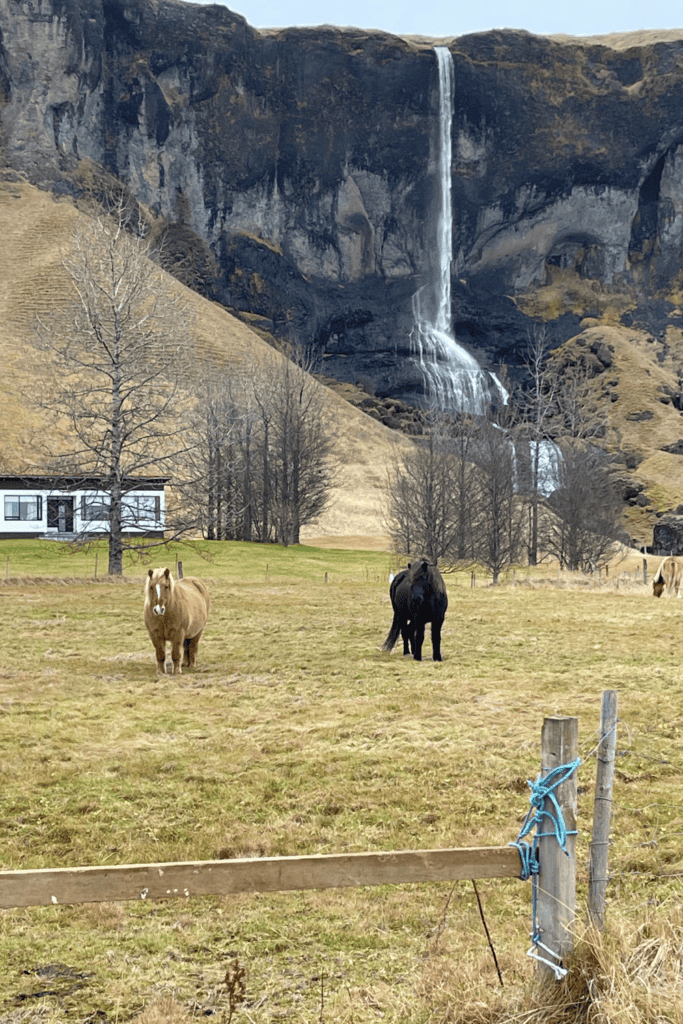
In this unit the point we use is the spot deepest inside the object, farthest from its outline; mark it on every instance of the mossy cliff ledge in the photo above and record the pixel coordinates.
(297, 168)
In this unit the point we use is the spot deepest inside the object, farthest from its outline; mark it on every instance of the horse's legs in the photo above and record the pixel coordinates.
(436, 640)
(418, 640)
(177, 649)
(160, 651)
(407, 634)
(191, 645)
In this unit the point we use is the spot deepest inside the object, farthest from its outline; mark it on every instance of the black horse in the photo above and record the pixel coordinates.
(418, 596)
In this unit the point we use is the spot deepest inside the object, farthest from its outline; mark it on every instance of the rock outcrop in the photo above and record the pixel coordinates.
(302, 161)
(667, 536)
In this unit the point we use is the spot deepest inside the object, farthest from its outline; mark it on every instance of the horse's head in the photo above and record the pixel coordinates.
(160, 588)
(658, 587)
(418, 570)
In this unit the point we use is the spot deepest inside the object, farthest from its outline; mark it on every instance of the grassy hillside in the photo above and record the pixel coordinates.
(636, 391)
(34, 228)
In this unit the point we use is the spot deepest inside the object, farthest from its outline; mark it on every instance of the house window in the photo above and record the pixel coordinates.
(138, 507)
(24, 507)
(94, 508)
(149, 506)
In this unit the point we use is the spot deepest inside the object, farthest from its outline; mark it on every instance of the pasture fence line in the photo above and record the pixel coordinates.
(549, 860)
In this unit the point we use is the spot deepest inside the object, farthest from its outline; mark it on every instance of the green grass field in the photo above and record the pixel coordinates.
(295, 735)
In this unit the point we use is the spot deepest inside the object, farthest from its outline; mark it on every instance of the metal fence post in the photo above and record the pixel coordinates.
(602, 809)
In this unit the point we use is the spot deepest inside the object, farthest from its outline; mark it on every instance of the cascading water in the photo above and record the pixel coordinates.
(453, 378)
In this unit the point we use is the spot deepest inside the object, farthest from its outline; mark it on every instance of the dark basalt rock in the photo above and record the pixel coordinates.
(667, 535)
(296, 167)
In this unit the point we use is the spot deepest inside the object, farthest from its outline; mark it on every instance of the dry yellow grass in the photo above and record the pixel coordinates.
(297, 735)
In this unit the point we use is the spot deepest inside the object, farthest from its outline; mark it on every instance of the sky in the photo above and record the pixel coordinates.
(441, 18)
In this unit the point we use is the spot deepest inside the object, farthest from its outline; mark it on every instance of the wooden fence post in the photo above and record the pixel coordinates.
(602, 809)
(179, 569)
(556, 906)
(645, 570)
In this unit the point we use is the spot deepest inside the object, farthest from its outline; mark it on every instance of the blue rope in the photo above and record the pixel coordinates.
(541, 790)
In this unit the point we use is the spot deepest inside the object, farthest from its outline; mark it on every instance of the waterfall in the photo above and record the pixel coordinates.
(549, 462)
(453, 378)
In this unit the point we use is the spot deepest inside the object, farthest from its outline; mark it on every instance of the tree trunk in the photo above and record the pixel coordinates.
(115, 531)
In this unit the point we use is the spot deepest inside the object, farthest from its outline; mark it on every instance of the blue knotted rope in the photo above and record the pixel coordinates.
(541, 790)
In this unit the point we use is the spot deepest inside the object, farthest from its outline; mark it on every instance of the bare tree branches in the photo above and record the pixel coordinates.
(585, 508)
(263, 461)
(483, 491)
(116, 352)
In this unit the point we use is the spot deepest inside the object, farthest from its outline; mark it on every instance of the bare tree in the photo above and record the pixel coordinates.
(115, 357)
(585, 508)
(430, 493)
(465, 491)
(209, 481)
(263, 461)
(500, 515)
(539, 404)
(299, 459)
(421, 507)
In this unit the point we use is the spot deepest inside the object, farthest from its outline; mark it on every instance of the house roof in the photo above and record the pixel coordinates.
(76, 481)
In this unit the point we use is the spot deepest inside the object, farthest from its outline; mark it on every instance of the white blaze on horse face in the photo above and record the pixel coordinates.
(159, 608)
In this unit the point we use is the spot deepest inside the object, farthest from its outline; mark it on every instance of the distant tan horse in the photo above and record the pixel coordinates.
(175, 611)
(669, 575)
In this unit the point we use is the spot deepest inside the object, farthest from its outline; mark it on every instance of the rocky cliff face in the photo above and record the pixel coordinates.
(303, 161)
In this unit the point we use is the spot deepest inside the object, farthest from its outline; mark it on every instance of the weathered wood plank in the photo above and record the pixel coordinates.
(224, 877)
(557, 870)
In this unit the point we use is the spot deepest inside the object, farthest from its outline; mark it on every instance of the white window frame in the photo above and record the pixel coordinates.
(91, 503)
(22, 503)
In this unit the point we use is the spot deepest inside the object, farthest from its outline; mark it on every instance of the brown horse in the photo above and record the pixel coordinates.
(669, 575)
(175, 611)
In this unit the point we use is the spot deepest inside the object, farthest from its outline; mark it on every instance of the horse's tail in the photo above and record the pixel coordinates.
(659, 575)
(392, 635)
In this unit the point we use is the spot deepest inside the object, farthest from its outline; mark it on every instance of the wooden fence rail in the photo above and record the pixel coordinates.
(555, 886)
(47, 886)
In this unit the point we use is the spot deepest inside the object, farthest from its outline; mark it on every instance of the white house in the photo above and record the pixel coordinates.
(42, 506)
